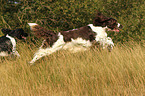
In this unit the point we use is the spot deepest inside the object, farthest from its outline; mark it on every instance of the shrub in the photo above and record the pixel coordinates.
(66, 15)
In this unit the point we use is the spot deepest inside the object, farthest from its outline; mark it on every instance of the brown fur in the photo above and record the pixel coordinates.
(101, 20)
(83, 32)
(49, 36)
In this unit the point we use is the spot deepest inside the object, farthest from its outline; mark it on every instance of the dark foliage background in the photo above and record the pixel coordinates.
(68, 14)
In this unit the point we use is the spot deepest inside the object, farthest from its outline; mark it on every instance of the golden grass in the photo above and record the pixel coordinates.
(89, 73)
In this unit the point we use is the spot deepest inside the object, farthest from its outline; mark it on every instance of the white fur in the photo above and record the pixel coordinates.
(4, 53)
(13, 44)
(32, 25)
(118, 25)
(71, 30)
(101, 33)
(75, 45)
(101, 37)
(43, 52)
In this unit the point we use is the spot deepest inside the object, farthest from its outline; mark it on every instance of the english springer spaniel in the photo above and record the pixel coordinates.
(8, 42)
(77, 39)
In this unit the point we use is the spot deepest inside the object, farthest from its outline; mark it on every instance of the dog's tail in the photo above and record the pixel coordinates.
(40, 31)
(32, 26)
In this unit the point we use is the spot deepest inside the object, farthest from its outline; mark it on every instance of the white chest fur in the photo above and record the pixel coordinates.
(100, 32)
(13, 42)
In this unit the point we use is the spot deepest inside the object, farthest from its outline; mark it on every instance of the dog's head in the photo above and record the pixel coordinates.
(110, 23)
(5, 31)
(18, 33)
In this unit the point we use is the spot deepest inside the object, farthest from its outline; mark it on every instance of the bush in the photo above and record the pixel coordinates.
(66, 15)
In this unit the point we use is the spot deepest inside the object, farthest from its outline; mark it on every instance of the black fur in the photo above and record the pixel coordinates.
(5, 42)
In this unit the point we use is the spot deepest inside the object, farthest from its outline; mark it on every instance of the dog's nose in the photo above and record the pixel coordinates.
(25, 34)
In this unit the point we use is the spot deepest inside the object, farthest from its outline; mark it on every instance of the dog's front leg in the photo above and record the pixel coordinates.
(110, 44)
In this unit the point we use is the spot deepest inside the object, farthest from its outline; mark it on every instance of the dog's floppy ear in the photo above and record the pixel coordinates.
(21, 31)
(100, 19)
(5, 31)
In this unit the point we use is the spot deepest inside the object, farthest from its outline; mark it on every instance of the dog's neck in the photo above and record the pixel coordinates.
(101, 31)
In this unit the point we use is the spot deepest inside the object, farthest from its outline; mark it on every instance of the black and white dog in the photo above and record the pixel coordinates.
(8, 41)
(77, 39)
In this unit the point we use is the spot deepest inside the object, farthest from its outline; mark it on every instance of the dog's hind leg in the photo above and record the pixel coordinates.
(43, 52)
(16, 53)
(42, 44)
(49, 50)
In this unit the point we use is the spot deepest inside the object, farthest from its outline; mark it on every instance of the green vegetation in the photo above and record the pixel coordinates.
(90, 73)
(68, 14)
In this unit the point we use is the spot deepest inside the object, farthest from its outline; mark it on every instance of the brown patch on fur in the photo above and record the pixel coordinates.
(83, 32)
(42, 32)
(100, 20)
(49, 36)
(112, 23)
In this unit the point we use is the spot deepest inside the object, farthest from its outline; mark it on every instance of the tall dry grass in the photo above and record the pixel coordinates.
(89, 73)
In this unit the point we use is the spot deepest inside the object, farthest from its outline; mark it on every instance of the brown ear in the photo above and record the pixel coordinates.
(99, 20)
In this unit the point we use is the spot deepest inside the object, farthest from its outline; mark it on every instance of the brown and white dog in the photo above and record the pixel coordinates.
(77, 39)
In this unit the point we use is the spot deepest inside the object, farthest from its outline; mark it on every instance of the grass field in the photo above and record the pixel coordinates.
(89, 73)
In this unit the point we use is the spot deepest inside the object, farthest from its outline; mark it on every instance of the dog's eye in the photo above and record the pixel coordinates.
(114, 25)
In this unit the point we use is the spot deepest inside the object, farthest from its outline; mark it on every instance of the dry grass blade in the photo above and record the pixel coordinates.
(93, 72)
